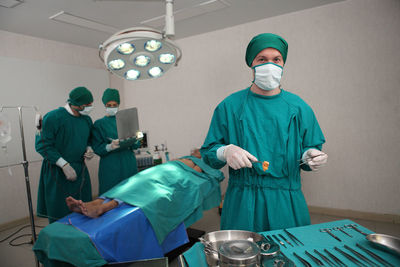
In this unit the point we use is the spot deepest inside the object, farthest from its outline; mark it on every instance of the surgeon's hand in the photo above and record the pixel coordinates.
(69, 172)
(89, 154)
(237, 157)
(314, 158)
(113, 145)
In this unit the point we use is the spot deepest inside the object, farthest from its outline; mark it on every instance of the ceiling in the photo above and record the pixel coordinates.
(192, 17)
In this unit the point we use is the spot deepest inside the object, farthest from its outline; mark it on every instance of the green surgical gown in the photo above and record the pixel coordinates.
(117, 164)
(63, 135)
(277, 129)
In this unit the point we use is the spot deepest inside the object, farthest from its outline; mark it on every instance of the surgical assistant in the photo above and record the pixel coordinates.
(116, 163)
(64, 144)
(264, 123)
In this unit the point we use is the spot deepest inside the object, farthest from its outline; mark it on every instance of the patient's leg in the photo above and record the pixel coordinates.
(94, 210)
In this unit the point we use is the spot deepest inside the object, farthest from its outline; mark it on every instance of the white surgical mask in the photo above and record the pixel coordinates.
(268, 76)
(86, 110)
(111, 111)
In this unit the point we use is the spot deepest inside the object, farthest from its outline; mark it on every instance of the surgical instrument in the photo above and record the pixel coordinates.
(295, 239)
(324, 258)
(353, 226)
(359, 255)
(284, 239)
(341, 230)
(326, 230)
(306, 263)
(311, 157)
(269, 238)
(376, 257)
(317, 261)
(334, 258)
(351, 258)
(277, 239)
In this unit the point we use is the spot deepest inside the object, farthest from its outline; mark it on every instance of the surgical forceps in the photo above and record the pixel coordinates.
(327, 230)
(360, 255)
(341, 230)
(334, 258)
(306, 263)
(295, 239)
(351, 258)
(324, 258)
(277, 239)
(316, 260)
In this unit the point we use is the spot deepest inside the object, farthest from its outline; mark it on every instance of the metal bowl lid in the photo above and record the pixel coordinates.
(239, 252)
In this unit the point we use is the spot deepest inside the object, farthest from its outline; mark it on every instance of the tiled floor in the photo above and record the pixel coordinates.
(22, 256)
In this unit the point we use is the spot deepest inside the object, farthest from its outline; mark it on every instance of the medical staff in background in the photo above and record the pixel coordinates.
(64, 144)
(116, 163)
(264, 123)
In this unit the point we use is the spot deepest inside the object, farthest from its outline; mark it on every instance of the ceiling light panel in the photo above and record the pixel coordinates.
(82, 22)
(10, 3)
(186, 13)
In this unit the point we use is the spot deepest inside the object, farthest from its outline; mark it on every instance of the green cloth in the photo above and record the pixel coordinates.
(63, 135)
(110, 94)
(80, 96)
(58, 241)
(263, 41)
(277, 129)
(117, 164)
(171, 193)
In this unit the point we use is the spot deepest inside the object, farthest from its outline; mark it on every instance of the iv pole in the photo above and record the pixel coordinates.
(25, 165)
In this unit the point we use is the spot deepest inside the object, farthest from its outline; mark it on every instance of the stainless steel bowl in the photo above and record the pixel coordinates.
(386, 242)
(214, 240)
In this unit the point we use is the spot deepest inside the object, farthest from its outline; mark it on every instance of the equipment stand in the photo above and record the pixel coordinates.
(25, 165)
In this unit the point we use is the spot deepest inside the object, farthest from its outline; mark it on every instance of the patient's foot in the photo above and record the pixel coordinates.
(73, 204)
(90, 210)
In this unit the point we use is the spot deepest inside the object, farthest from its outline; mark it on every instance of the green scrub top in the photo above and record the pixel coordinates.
(63, 135)
(116, 165)
(277, 129)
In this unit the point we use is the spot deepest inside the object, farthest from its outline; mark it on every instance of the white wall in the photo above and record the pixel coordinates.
(56, 68)
(343, 60)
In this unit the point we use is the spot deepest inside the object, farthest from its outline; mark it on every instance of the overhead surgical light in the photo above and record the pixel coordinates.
(141, 53)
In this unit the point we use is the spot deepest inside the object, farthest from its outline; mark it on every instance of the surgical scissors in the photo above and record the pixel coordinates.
(354, 226)
(341, 230)
(327, 230)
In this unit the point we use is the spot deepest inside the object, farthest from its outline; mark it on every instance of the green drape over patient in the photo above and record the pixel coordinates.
(278, 129)
(171, 193)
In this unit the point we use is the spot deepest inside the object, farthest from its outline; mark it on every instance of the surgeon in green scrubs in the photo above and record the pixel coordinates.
(64, 144)
(116, 163)
(264, 123)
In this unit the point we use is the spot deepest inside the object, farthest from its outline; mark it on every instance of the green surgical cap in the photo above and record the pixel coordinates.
(265, 40)
(80, 96)
(110, 94)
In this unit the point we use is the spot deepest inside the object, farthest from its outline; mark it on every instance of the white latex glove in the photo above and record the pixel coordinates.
(317, 161)
(89, 154)
(237, 157)
(69, 172)
(113, 145)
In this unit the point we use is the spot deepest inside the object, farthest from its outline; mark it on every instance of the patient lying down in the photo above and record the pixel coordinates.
(101, 205)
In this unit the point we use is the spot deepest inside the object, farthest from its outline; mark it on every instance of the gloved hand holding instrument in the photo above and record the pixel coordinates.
(314, 158)
(236, 157)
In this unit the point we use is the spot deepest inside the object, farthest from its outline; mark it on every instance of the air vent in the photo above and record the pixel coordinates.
(186, 13)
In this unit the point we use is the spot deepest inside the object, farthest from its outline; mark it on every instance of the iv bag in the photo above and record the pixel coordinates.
(5, 129)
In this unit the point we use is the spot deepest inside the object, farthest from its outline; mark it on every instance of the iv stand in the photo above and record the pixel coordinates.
(25, 165)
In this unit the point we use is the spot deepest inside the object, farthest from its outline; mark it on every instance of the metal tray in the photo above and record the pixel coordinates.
(386, 242)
